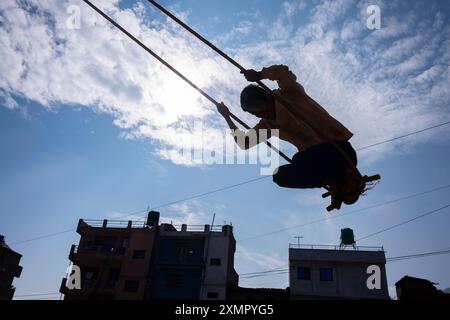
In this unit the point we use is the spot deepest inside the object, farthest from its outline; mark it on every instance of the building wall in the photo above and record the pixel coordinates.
(170, 264)
(349, 274)
(216, 276)
(135, 265)
(178, 266)
(176, 283)
(9, 268)
(202, 277)
(105, 256)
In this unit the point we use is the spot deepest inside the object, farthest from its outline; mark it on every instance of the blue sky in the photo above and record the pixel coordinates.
(87, 121)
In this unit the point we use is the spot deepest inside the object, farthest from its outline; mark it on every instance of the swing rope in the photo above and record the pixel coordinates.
(283, 101)
(157, 57)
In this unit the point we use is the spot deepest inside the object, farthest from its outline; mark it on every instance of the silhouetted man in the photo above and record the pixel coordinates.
(310, 128)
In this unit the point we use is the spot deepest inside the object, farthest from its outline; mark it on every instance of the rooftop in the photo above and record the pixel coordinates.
(143, 224)
(334, 247)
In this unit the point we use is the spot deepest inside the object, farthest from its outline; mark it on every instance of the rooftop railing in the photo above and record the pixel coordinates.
(141, 224)
(334, 247)
(195, 228)
(115, 223)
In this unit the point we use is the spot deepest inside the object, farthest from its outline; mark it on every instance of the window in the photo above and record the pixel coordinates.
(138, 254)
(131, 285)
(215, 262)
(113, 277)
(303, 273)
(212, 295)
(89, 276)
(124, 246)
(326, 274)
(184, 253)
(106, 244)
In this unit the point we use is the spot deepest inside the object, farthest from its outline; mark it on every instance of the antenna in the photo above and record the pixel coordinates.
(298, 240)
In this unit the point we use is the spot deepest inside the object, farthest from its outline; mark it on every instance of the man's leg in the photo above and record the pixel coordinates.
(301, 173)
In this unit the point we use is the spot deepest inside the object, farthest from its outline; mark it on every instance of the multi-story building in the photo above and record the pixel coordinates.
(9, 269)
(125, 260)
(114, 260)
(195, 262)
(336, 272)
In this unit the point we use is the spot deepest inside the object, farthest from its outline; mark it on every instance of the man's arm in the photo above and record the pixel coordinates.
(245, 140)
(280, 73)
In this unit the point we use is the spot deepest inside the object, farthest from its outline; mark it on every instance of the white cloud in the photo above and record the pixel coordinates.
(97, 66)
(242, 29)
(290, 8)
(8, 101)
(253, 13)
(282, 26)
(185, 213)
(370, 81)
(302, 5)
(259, 259)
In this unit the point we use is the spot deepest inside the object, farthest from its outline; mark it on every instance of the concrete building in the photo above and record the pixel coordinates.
(9, 269)
(193, 262)
(125, 260)
(114, 258)
(335, 272)
(410, 288)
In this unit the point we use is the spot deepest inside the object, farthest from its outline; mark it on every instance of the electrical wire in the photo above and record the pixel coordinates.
(404, 222)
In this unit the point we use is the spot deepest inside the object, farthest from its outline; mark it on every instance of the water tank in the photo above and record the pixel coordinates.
(153, 218)
(347, 236)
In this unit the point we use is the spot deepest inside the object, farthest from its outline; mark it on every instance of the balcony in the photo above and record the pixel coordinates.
(89, 286)
(95, 252)
(18, 271)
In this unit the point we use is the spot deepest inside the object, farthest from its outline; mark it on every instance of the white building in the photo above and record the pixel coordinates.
(201, 258)
(219, 270)
(332, 272)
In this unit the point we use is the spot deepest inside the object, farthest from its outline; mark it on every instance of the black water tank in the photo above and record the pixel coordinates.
(153, 218)
(347, 236)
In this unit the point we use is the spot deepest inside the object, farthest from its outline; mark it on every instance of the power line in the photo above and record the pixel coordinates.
(243, 183)
(37, 294)
(284, 271)
(156, 207)
(220, 52)
(65, 231)
(391, 259)
(404, 222)
(210, 192)
(50, 298)
(259, 82)
(418, 255)
(261, 235)
(279, 271)
(258, 272)
(265, 177)
(212, 100)
(179, 74)
(347, 213)
(403, 136)
(43, 236)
